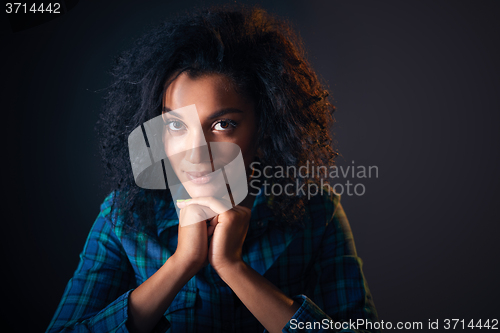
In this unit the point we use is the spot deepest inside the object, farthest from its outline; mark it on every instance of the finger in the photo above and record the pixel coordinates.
(195, 214)
(242, 209)
(214, 220)
(211, 224)
(194, 224)
(211, 228)
(217, 205)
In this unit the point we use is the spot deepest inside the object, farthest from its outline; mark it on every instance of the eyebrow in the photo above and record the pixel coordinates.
(217, 114)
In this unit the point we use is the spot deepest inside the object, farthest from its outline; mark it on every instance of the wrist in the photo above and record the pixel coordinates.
(227, 267)
(190, 266)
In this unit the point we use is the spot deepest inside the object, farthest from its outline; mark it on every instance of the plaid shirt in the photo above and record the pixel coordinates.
(316, 266)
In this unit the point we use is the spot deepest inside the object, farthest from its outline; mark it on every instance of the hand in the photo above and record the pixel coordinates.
(193, 234)
(231, 226)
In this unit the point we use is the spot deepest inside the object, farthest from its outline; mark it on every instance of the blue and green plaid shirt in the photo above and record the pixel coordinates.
(316, 266)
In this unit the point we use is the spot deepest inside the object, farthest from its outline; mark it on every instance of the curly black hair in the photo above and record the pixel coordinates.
(262, 56)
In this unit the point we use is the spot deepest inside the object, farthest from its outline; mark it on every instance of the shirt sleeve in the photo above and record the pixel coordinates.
(343, 300)
(96, 297)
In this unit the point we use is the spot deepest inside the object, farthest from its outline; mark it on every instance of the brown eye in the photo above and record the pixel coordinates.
(224, 125)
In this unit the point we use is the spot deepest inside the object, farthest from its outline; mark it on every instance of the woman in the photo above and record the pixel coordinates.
(266, 261)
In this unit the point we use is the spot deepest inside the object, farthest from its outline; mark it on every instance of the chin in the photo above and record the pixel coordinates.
(206, 190)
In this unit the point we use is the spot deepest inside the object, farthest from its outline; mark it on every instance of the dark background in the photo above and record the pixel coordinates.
(416, 85)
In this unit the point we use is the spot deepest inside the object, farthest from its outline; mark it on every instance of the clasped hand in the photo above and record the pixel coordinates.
(220, 241)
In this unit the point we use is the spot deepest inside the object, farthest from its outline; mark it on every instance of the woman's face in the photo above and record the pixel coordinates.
(220, 115)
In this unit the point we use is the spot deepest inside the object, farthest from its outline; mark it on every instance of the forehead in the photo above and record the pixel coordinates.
(208, 91)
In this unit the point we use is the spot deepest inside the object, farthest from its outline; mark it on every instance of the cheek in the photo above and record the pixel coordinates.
(248, 148)
(249, 139)
(172, 145)
(169, 151)
(173, 152)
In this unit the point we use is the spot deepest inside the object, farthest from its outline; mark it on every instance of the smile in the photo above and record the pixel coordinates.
(200, 178)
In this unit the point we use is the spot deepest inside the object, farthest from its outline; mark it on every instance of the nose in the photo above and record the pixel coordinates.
(196, 148)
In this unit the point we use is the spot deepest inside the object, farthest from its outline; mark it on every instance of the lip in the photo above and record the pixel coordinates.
(199, 178)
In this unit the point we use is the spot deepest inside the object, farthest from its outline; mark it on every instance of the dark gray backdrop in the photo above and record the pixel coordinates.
(416, 86)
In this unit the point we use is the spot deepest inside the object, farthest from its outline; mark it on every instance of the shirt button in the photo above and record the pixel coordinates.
(260, 223)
